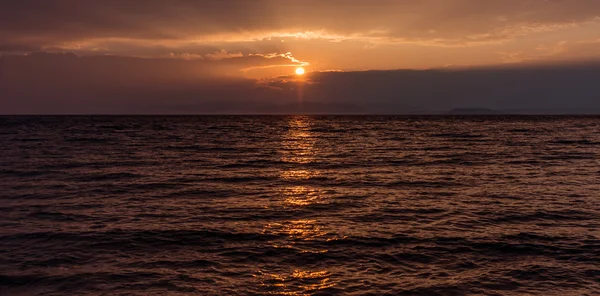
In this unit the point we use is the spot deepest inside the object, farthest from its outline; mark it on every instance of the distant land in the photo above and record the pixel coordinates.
(541, 111)
(486, 111)
(476, 111)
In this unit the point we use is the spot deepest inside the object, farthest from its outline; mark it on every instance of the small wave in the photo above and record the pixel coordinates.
(59, 216)
(191, 193)
(425, 184)
(200, 148)
(373, 241)
(98, 177)
(575, 142)
(28, 173)
(87, 140)
(569, 156)
(198, 263)
(155, 185)
(118, 238)
(459, 136)
(241, 179)
(520, 130)
(543, 215)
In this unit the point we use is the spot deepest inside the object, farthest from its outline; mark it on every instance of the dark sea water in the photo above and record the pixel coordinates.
(300, 205)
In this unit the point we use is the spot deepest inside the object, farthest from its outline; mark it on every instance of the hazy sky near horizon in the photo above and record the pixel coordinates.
(255, 45)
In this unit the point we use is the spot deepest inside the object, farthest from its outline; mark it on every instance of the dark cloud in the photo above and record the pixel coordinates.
(66, 83)
(557, 87)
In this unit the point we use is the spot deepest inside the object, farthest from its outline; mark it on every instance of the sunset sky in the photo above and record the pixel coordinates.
(194, 50)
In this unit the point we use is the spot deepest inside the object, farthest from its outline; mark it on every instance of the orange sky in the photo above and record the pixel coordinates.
(328, 35)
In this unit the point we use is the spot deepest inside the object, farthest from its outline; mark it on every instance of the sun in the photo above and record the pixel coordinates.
(300, 71)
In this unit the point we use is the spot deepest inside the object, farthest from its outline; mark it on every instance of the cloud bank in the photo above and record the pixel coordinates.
(67, 84)
(41, 24)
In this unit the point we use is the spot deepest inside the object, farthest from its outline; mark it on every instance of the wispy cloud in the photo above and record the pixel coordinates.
(360, 32)
(28, 24)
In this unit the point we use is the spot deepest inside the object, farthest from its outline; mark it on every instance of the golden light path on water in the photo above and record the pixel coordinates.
(298, 149)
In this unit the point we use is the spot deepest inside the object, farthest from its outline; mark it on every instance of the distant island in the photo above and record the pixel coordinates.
(475, 111)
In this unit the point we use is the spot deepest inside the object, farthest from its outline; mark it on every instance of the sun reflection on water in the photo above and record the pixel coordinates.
(298, 145)
(297, 149)
(298, 282)
(299, 174)
(298, 229)
(300, 196)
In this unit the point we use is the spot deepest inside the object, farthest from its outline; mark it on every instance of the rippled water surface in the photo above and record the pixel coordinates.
(300, 205)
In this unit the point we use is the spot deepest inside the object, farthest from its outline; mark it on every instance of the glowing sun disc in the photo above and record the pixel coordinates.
(300, 71)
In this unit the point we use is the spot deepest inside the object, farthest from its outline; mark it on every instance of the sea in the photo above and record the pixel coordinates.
(300, 205)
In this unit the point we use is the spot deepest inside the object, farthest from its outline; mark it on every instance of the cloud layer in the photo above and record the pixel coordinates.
(66, 83)
(38, 24)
